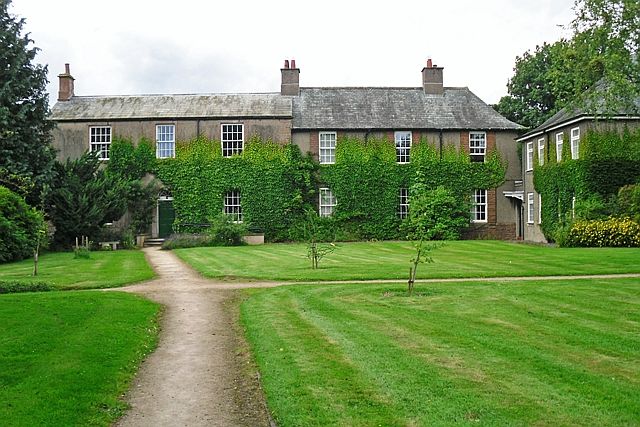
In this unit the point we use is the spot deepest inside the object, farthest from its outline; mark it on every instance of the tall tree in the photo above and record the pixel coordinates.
(26, 154)
(603, 48)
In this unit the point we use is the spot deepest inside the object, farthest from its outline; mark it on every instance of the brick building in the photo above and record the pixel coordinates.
(312, 118)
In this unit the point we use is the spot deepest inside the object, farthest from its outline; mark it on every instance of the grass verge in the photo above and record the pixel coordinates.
(67, 358)
(103, 270)
(519, 353)
(390, 260)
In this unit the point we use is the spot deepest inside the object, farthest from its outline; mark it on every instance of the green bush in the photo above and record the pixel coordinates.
(19, 227)
(437, 214)
(225, 232)
(188, 240)
(10, 287)
(628, 202)
(612, 232)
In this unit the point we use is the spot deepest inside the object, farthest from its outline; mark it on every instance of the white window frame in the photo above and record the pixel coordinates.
(326, 203)
(100, 138)
(479, 206)
(575, 143)
(165, 141)
(559, 145)
(530, 208)
(403, 207)
(327, 147)
(541, 151)
(529, 156)
(233, 205)
(231, 139)
(539, 208)
(403, 141)
(477, 145)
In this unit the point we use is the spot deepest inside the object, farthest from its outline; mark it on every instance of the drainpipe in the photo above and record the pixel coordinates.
(440, 142)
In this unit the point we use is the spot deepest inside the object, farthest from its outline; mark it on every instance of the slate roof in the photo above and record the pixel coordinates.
(393, 108)
(172, 107)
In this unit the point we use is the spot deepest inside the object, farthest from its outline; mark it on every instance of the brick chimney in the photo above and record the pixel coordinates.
(66, 85)
(432, 79)
(290, 79)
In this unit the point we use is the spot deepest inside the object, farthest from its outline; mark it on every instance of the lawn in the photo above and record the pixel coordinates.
(518, 353)
(67, 357)
(103, 270)
(390, 260)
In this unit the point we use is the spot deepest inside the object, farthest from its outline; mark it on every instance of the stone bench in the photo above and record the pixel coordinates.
(113, 245)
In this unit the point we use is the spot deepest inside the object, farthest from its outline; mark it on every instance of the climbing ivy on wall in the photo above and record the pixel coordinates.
(366, 181)
(608, 160)
(278, 184)
(273, 181)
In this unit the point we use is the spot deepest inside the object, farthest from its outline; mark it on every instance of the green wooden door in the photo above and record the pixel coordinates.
(166, 216)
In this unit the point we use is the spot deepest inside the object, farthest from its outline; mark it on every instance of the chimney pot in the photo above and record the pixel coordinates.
(65, 79)
(432, 82)
(290, 85)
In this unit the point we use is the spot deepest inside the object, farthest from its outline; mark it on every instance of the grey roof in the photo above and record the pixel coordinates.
(172, 106)
(393, 108)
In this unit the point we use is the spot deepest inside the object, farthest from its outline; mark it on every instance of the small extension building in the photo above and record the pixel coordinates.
(313, 118)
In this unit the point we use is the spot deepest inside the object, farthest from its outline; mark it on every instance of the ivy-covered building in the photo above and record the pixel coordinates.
(316, 120)
(577, 154)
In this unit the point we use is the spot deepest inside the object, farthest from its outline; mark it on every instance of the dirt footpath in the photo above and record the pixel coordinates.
(201, 373)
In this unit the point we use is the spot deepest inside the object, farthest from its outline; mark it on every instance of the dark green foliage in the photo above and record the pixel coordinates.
(602, 48)
(26, 155)
(11, 287)
(83, 198)
(608, 161)
(628, 202)
(19, 226)
(438, 214)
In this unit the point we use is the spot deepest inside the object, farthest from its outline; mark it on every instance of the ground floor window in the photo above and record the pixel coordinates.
(403, 210)
(232, 205)
(479, 206)
(530, 208)
(327, 202)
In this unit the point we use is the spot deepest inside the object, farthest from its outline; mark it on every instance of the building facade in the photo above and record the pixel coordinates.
(314, 119)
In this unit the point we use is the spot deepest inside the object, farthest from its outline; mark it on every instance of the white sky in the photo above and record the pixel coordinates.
(191, 46)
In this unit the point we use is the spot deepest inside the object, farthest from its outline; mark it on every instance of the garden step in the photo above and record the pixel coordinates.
(153, 242)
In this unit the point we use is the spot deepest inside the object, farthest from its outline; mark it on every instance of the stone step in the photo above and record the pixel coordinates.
(153, 242)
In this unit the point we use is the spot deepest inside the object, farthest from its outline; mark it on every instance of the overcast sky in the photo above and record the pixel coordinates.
(194, 46)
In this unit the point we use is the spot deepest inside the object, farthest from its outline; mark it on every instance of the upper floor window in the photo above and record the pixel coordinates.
(477, 146)
(233, 206)
(529, 156)
(530, 208)
(327, 202)
(479, 206)
(232, 139)
(575, 143)
(100, 141)
(403, 210)
(403, 146)
(559, 144)
(327, 146)
(165, 141)
(541, 151)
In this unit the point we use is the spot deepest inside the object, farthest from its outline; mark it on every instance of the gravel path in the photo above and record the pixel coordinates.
(198, 374)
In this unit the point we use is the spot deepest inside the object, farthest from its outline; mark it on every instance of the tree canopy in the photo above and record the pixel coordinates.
(604, 47)
(26, 154)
